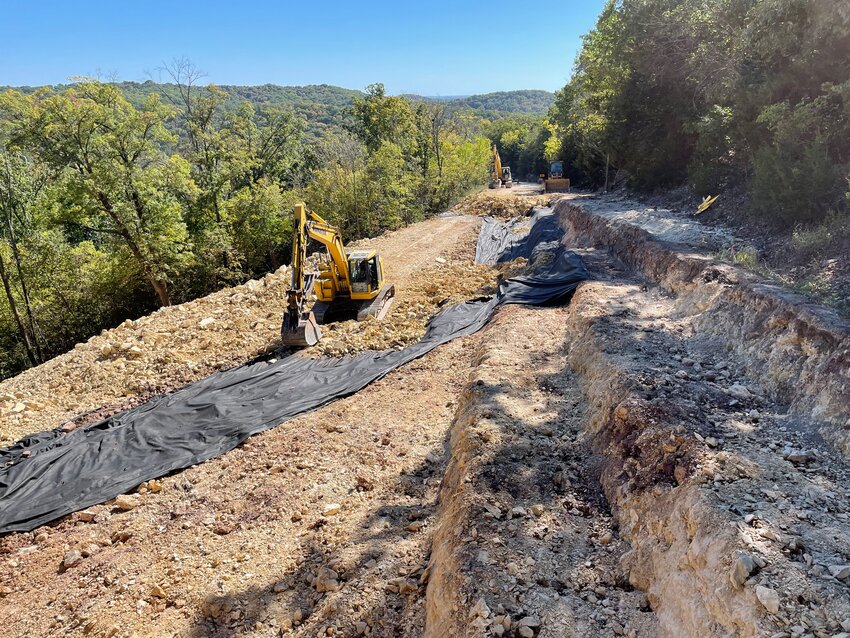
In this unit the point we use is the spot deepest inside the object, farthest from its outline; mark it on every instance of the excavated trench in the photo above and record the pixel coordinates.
(525, 544)
(640, 462)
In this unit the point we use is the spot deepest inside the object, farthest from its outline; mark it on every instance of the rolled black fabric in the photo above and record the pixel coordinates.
(51, 474)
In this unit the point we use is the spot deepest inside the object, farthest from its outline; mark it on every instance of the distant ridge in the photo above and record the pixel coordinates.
(323, 105)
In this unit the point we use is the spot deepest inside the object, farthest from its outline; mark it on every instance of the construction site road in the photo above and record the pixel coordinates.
(640, 462)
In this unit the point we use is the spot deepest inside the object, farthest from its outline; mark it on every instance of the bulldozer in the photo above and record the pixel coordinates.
(348, 284)
(499, 175)
(556, 182)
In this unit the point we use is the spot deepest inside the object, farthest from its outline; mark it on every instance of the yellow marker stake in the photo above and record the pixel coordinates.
(706, 204)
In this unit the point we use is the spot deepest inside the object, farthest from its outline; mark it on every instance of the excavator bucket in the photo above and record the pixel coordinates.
(300, 331)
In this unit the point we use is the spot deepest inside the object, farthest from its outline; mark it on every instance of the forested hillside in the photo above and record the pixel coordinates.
(115, 200)
(500, 103)
(323, 106)
(747, 94)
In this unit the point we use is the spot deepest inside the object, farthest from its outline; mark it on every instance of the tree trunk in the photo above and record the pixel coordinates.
(157, 283)
(24, 288)
(161, 290)
(16, 315)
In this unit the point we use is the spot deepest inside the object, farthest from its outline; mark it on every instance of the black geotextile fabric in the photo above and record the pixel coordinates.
(506, 240)
(51, 474)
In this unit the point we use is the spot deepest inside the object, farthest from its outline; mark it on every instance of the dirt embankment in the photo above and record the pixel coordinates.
(430, 263)
(798, 351)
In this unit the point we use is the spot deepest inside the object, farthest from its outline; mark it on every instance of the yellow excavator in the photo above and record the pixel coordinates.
(500, 175)
(348, 285)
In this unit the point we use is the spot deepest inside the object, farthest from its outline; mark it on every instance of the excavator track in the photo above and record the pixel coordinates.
(379, 306)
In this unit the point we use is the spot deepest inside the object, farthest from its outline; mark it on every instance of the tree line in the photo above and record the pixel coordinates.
(109, 210)
(752, 95)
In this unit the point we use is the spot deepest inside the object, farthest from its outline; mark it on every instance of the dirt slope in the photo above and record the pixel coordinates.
(184, 343)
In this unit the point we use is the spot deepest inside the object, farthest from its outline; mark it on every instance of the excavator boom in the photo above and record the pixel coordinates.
(501, 175)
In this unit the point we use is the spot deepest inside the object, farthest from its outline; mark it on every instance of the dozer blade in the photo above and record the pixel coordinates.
(303, 332)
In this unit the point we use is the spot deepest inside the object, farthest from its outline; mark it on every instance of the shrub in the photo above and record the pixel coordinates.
(809, 243)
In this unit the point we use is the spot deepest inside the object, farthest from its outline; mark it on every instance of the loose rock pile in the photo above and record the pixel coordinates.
(439, 286)
(157, 353)
(501, 205)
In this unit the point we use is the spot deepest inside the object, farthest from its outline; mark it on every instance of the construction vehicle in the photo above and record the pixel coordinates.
(499, 175)
(556, 182)
(349, 284)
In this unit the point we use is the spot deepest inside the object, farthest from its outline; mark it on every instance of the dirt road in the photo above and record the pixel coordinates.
(230, 546)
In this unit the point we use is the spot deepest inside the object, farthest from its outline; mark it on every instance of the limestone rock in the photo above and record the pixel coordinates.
(480, 609)
(158, 592)
(326, 580)
(331, 509)
(742, 567)
(72, 559)
(740, 392)
(768, 598)
(126, 502)
(839, 571)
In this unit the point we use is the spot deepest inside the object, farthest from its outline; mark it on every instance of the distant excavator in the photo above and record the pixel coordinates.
(348, 285)
(499, 175)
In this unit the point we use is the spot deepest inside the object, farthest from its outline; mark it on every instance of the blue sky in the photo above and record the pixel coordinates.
(432, 48)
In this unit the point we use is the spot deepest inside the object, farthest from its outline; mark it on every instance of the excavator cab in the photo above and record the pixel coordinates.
(507, 182)
(364, 269)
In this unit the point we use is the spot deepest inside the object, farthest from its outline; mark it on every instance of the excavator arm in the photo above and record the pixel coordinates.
(337, 275)
(299, 327)
(497, 164)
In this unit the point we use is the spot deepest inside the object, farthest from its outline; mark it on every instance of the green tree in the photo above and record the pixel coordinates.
(21, 182)
(379, 118)
(116, 179)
